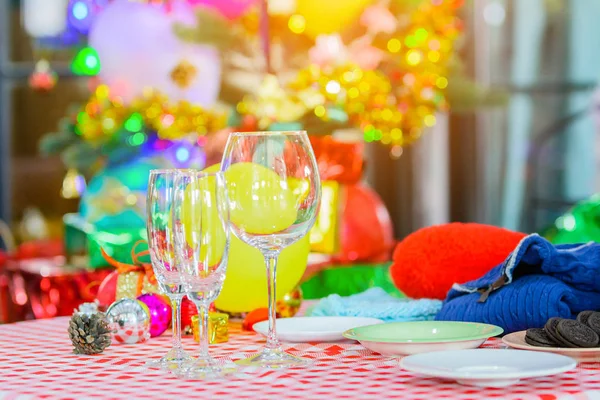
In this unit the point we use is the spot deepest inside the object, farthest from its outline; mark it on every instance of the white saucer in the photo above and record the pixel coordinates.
(487, 367)
(314, 329)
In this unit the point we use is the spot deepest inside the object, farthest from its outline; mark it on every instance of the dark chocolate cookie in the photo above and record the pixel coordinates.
(564, 342)
(593, 321)
(583, 316)
(550, 329)
(538, 337)
(577, 334)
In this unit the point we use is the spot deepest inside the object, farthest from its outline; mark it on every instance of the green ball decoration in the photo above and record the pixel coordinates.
(86, 62)
(581, 224)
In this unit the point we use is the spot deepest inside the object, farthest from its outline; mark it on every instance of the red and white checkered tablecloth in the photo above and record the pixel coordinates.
(36, 361)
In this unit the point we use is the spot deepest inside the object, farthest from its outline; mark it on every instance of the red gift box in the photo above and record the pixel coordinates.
(43, 287)
(353, 224)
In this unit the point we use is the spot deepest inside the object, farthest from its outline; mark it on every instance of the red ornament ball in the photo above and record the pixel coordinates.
(108, 290)
(366, 229)
(188, 310)
(429, 261)
(42, 81)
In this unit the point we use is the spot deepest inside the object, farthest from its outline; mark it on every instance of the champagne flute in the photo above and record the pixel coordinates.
(200, 221)
(274, 192)
(161, 247)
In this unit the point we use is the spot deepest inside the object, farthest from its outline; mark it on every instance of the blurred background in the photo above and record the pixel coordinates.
(442, 111)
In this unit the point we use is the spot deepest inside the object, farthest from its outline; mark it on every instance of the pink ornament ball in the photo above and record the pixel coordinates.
(230, 9)
(160, 313)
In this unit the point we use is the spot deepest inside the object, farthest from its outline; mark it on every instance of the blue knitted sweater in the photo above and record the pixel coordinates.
(536, 282)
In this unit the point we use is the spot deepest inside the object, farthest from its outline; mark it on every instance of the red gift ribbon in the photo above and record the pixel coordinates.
(338, 161)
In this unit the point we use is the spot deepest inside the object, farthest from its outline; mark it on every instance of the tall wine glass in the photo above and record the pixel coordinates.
(274, 191)
(161, 188)
(202, 245)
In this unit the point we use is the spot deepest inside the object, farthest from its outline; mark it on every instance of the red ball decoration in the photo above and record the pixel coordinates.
(43, 78)
(366, 231)
(107, 291)
(429, 261)
(188, 310)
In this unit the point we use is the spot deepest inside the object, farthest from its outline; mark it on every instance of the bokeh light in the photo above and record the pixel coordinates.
(297, 23)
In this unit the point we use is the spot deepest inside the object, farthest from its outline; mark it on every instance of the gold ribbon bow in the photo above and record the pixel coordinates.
(137, 266)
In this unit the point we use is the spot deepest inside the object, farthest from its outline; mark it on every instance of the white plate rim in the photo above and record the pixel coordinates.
(375, 321)
(570, 364)
(579, 350)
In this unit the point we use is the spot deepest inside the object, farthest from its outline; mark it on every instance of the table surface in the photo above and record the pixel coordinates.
(36, 361)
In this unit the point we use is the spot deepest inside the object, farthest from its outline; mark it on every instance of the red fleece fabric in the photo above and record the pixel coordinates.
(427, 262)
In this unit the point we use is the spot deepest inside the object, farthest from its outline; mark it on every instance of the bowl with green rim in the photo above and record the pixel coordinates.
(405, 338)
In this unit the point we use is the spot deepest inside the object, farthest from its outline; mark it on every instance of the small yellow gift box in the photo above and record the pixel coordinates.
(218, 330)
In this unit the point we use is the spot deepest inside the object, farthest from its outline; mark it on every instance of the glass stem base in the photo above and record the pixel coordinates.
(206, 368)
(274, 358)
(175, 358)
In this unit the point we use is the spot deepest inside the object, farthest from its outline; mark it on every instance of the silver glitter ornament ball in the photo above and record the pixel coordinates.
(129, 321)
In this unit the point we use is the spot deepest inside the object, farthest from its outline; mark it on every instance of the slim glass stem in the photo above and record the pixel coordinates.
(203, 330)
(176, 321)
(271, 263)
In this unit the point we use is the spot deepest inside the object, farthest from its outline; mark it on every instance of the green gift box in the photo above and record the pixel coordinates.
(75, 238)
(347, 280)
(83, 239)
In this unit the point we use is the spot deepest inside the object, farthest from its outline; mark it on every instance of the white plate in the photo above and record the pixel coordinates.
(314, 329)
(487, 367)
(517, 341)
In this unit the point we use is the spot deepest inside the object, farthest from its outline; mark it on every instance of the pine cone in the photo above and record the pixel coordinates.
(90, 333)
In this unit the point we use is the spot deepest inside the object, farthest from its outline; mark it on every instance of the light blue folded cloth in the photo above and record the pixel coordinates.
(376, 303)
